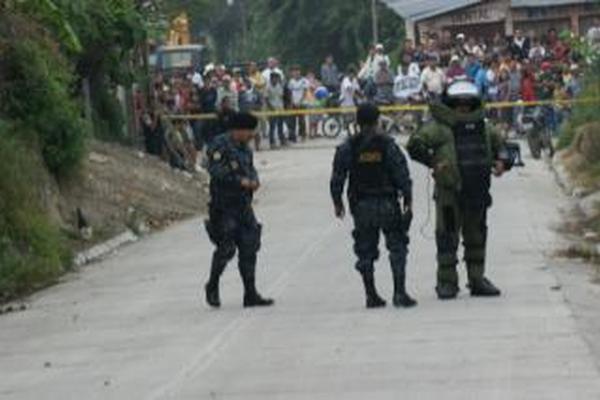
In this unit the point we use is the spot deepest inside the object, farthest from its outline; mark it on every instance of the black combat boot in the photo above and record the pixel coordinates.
(483, 288)
(447, 290)
(251, 296)
(213, 298)
(256, 300)
(373, 299)
(401, 297)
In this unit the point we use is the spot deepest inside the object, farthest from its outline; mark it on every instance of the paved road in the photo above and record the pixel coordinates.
(134, 326)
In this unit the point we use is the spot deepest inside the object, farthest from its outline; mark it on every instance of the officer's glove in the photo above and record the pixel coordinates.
(340, 211)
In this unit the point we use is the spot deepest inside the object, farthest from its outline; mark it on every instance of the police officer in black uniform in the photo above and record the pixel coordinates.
(232, 225)
(379, 178)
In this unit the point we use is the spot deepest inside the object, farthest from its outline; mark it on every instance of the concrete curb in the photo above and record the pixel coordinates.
(103, 250)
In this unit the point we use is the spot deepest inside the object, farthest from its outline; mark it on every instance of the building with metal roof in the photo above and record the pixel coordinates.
(485, 18)
(547, 3)
(417, 10)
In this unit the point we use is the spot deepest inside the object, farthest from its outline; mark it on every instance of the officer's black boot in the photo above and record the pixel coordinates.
(483, 287)
(213, 298)
(373, 298)
(253, 299)
(251, 296)
(401, 297)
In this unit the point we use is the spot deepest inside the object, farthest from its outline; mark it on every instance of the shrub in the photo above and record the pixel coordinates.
(36, 92)
(32, 249)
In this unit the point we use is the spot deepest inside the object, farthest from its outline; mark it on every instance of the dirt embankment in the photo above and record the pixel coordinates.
(120, 189)
(578, 169)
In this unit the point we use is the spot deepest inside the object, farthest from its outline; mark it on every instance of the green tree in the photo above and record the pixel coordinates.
(306, 31)
(109, 31)
(297, 31)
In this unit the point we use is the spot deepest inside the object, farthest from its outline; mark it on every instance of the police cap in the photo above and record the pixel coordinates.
(243, 121)
(367, 115)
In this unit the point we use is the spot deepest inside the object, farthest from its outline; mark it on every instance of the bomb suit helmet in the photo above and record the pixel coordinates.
(462, 93)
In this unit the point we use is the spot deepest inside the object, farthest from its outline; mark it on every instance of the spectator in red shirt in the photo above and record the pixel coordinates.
(528, 85)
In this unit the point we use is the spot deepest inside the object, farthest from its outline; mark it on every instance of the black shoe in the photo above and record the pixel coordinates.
(404, 300)
(447, 291)
(212, 295)
(484, 288)
(255, 300)
(373, 298)
(375, 301)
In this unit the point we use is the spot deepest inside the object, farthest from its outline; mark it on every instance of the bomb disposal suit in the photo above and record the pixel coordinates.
(463, 151)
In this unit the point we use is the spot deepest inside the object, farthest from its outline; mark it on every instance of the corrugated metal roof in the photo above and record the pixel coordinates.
(417, 10)
(546, 3)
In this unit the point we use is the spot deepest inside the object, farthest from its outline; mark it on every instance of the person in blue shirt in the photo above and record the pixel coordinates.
(472, 67)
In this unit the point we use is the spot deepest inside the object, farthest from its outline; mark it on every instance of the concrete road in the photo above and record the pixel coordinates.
(135, 326)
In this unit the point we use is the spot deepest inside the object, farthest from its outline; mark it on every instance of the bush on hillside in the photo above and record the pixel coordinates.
(32, 250)
(583, 113)
(36, 85)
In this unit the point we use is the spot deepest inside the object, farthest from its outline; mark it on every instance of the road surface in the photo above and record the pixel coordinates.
(135, 326)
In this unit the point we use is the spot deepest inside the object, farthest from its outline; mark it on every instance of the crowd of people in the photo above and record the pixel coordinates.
(505, 69)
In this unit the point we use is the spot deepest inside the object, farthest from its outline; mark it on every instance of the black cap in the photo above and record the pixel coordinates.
(367, 115)
(243, 121)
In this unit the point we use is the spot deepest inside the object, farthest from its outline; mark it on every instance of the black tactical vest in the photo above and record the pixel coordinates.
(472, 155)
(368, 175)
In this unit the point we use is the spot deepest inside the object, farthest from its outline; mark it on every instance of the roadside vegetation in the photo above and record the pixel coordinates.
(48, 49)
(579, 134)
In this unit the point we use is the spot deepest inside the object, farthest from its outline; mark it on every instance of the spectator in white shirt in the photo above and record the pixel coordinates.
(433, 79)
(297, 85)
(272, 67)
(407, 86)
(380, 59)
(350, 89)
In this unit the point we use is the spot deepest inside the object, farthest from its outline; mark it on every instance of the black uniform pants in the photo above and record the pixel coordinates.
(232, 231)
(373, 216)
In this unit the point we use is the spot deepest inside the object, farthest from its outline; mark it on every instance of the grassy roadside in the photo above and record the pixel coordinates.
(32, 249)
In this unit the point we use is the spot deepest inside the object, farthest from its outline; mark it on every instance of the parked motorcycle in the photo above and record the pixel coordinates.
(537, 131)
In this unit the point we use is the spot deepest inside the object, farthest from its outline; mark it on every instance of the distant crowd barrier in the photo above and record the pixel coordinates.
(385, 109)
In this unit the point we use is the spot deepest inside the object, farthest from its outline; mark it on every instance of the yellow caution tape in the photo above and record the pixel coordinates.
(383, 109)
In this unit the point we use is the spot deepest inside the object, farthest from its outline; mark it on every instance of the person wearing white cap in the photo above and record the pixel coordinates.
(272, 67)
(455, 70)
(379, 58)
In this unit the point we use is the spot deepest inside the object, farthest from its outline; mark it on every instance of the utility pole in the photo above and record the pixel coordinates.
(375, 22)
(243, 14)
(244, 18)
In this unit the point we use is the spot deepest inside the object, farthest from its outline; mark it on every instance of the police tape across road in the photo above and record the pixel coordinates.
(383, 109)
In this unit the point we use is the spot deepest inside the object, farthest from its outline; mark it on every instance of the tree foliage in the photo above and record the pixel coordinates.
(297, 31)
(36, 83)
(308, 30)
